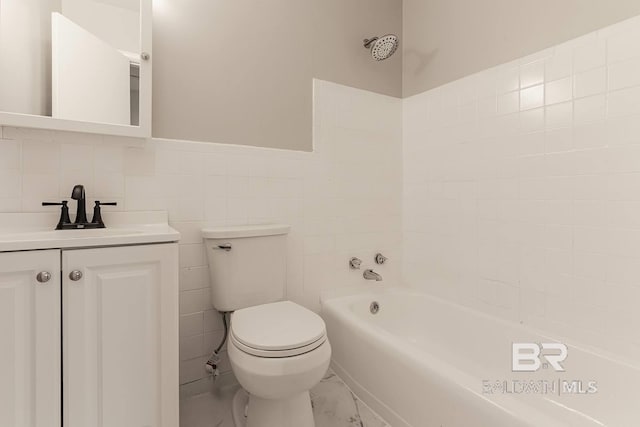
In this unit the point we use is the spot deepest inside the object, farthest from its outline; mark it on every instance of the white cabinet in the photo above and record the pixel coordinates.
(30, 339)
(119, 331)
(117, 308)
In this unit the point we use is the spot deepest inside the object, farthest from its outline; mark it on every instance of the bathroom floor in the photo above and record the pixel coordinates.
(334, 405)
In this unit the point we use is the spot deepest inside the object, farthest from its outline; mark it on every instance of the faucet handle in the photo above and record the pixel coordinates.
(380, 259)
(354, 263)
(64, 213)
(97, 213)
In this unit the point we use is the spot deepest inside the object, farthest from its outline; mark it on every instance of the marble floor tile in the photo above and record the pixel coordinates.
(212, 409)
(334, 405)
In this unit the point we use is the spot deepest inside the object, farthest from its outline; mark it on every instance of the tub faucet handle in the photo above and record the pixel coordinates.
(354, 263)
(380, 259)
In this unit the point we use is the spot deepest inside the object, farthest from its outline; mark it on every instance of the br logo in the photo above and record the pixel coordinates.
(528, 356)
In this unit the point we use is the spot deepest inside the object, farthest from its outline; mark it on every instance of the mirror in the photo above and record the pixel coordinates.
(77, 65)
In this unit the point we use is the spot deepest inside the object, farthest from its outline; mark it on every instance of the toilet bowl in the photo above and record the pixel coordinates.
(278, 349)
(278, 352)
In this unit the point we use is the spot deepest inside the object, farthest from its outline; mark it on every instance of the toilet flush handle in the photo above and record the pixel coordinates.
(225, 247)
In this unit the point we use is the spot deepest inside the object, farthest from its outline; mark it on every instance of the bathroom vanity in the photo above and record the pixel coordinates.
(88, 322)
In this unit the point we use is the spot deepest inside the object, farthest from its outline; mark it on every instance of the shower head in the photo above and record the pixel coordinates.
(382, 47)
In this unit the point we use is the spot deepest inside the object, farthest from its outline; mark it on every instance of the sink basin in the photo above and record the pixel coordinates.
(32, 231)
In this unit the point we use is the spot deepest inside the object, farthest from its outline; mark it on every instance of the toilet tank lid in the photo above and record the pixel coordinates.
(239, 231)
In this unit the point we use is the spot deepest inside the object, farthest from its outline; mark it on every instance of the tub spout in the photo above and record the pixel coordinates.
(372, 275)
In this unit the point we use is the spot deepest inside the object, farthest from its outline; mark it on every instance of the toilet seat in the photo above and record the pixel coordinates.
(276, 353)
(280, 329)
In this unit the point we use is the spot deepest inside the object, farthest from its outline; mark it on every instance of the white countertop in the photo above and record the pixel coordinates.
(29, 231)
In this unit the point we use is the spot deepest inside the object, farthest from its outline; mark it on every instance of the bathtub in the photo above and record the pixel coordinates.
(421, 362)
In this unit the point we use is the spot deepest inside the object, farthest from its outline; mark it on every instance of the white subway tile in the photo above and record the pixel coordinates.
(108, 185)
(10, 185)
(559, 66)
(623, 270)
(508, 102)
(191, 347)
(558, 140)
(10, 155)
(590, 82)
(590, 135)
(625, 101)
(622, 130)
(76, 157)
(508, 78)
(532, 121)
(624, 74)
(109, 158)
(194, 277)
(590, 55)
(179, 162)
(487, 106)
(139, 161)
(40, 157)
(192, 370)
(623, 46)
(590, 213)
(532, 74)
(180, 209)
(191, 324)
(559, 115)
(43, 187)
(621, 186)
(559, 91)
(589, 110)
(192, 255)
(532, 143)
(192, 301)
(532, 97)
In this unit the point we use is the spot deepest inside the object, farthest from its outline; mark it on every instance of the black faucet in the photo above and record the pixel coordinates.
(81, 211)
(81, 222)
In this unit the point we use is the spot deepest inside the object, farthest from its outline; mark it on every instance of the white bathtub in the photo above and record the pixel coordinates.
(421, 362)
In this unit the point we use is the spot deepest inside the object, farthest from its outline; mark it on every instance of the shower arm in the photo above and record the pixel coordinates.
(368, 42)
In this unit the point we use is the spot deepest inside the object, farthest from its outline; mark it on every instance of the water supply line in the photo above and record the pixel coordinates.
(212, 364)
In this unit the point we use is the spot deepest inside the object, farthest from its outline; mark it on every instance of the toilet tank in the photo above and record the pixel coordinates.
(247, 264)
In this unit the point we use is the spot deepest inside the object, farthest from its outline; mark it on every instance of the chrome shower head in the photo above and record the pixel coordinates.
(382, 47)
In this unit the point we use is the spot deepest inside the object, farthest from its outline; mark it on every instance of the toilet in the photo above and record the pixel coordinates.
(278, 349)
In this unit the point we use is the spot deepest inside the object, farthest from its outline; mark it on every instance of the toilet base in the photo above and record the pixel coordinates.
(292, 412)
(239, 408)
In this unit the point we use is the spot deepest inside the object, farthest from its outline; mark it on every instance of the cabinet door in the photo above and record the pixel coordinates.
(120, 336)
(30, 339)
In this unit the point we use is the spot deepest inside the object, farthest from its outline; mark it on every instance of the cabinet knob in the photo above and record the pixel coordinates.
(43, 277)
(75, 275)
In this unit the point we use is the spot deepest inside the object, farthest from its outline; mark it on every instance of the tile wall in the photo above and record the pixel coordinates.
(522, 190)
(342, 200)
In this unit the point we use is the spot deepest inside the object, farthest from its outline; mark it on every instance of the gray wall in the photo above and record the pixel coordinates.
(448, 39)
(248, 80)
